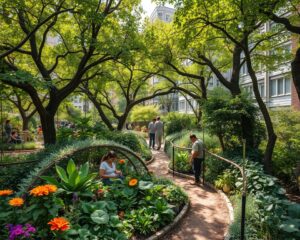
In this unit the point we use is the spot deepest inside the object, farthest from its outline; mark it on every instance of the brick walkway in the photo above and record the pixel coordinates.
(208, 216)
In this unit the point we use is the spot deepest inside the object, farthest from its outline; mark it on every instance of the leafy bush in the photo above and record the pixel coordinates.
(181, 162)
(286, 161)
(224, 116)
(176, 122)
(20, 146)
(143, 114)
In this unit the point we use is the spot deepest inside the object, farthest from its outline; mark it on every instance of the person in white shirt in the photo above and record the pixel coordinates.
(108, 169)
(197, 157)
(151, 128)
(159, 131)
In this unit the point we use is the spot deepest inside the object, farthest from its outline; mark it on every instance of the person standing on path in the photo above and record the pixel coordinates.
(197, 157)
(151, 128)
(159, 131)
(8, 130)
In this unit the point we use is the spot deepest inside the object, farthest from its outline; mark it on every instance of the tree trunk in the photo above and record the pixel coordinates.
(122, 120)
(296, 72)
(267, 161)
(25, 123)
(48, 127)
(221, 142)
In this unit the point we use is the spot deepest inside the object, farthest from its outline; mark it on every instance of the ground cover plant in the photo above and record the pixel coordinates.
(73, 204)
(19, 146)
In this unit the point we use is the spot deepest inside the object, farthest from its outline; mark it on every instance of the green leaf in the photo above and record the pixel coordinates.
(50, 180)
(84, 170)
(62, 174)
(71, 167)
(145, 185)
(270, 207)
(289, 228)
(100, 217)
(74, 177)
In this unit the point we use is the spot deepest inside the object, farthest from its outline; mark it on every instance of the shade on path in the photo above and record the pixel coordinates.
(208, 216)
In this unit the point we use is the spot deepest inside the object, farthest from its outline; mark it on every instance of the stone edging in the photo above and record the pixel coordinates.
(158, 235)
(223, 195)
(151, 160)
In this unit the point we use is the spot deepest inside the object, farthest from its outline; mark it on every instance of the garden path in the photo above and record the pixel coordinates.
(208, 216)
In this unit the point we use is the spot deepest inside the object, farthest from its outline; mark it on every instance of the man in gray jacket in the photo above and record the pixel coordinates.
(159, 131)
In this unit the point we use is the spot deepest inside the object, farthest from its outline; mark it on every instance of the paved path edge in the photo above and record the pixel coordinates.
(223, 195)
(158, 235)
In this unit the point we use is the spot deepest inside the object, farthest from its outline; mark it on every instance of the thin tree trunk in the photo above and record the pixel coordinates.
(221, 142)
(296, 72)
(267, 161)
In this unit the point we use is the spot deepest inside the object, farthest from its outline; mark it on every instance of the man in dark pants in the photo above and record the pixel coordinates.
(197, 157)
(151, 129)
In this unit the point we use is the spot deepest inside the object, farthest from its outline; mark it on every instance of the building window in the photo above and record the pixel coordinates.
(159, 14)
(181, 105)
(287, 86)
(167, 17)
(280, 86)
(189, 108)
(261, 88)
(244, 69)
(249, 89)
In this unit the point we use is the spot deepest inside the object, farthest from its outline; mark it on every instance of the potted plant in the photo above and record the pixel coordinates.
(225, 181)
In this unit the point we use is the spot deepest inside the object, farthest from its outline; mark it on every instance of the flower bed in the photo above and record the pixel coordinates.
(73, 204)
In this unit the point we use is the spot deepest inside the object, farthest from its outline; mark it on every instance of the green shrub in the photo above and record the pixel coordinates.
(224, 116)
(176, 122)
(181, 162)
(20, 146)
(287, 149)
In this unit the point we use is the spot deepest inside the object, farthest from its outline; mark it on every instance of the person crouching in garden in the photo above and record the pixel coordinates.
(151, 128)
(197, 157)
(108, 169)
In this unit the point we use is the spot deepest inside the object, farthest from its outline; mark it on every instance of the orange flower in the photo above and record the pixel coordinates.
(122, 161)
(43, 190)
(6, 192)
(59, 224)
(51, 188)
(16, 202)
(133, 182)
(100, 191)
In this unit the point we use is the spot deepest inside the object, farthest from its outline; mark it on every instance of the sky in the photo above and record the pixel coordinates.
(148, 6)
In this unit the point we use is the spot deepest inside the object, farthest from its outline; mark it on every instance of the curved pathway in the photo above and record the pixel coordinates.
(208, 216)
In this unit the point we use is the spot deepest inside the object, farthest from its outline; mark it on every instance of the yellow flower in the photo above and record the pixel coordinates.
(133, 182)
(16, 202)
(43, 190)
(6, 192)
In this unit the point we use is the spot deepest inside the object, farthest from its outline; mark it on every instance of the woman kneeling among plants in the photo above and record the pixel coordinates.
(108, 169)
